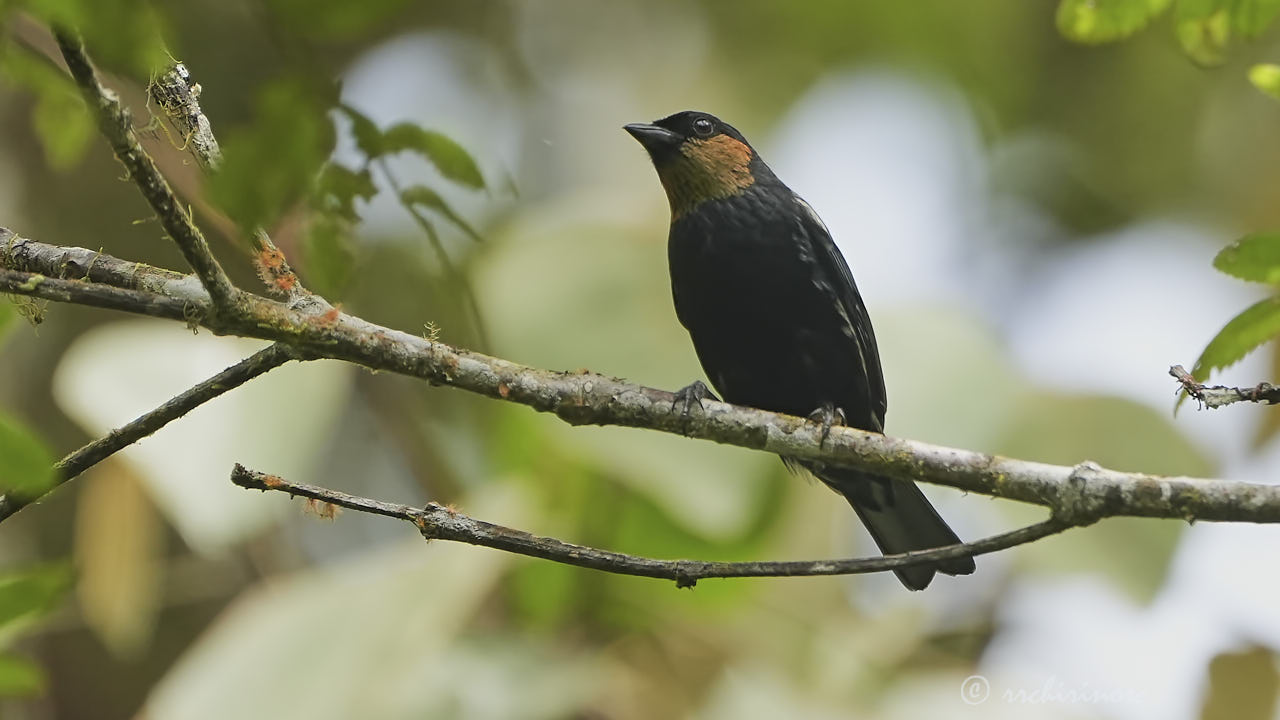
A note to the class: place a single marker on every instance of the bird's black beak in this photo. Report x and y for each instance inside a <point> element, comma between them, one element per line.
<point>657,140</point>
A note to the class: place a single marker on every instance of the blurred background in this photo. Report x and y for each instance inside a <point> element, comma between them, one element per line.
<point>1030,220</point>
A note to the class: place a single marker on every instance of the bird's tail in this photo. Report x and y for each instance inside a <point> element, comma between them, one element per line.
<point>900,519</point>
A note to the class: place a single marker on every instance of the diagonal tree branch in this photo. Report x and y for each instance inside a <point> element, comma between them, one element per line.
<point>95,452</point>
<point>137,302</point>
<point>117,128</point>
<point>1216,396</point>
<point>1082,491</point>
<point>95,267</point>
<point>179,98</point>
<point>437,522</point>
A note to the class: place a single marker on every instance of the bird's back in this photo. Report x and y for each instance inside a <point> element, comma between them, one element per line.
<point>772,309</point>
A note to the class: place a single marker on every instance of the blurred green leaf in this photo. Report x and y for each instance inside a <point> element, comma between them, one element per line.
<point>1251,17</point>
<point>1242,686</point>
<point>19,677</point>
<point>60,119</point>
<point>366,133</point>
<point>338,188</point>
<point>119,552</point>
<point>1099,21</point>
<point>1266,77</point>
<point>450,158</point>
<point>120,34</point>
<point>334,19</point>
<point>32,592</point>
<point>1245,332</point>
<point>272,162</point>
<point>1117,433</point>
<point>641,525</point>
<point>406,637</point>
<point>420,195</point>
<point>1254,257</point>
<point>64,128</point>
<point>547,594</point>
<point>1203,28</point>
<point>7,317</point>
<point>329,260</point>
<point>26,465</point>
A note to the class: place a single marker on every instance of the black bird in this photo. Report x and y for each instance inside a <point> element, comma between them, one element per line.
<point>775,317</point>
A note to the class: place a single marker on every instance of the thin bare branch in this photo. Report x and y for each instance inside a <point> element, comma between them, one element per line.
<point>437,522</point>
<point>1075,494</point>
<point>95,452</point>
<point>1216,396</point>
<point>179,98</point>
<point>75,263</point>
<point>77,292</point>
<point>116,126</point>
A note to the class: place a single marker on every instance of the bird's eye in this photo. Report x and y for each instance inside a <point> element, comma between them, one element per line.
<point>703,127</point>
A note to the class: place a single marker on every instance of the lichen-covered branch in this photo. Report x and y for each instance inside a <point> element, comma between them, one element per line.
<point>93,266</point>
<point>437,522</point>
<point>95,452</point>
<point>101,296</point>
<point>179,98</point>
<point>1075,494</point>
<point>1216,396</point>
<point>116,126</point>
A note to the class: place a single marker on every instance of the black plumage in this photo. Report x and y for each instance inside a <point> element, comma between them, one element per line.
<point>775,316</point>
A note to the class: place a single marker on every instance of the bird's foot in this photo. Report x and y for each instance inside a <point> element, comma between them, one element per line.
<point>827,416</point>
<point>689,395</point>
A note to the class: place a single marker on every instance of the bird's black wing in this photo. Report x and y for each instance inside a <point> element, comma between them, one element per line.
<point>832,274</point>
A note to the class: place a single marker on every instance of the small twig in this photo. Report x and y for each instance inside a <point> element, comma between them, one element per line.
<point>179,98</point>
<point>451,272</point>
<point>1216,396</point>
<point>95,452</point>
<point>436,522</point>
<point>115,125</point>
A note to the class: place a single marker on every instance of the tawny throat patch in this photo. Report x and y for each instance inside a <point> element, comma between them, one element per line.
<point>717,167</point>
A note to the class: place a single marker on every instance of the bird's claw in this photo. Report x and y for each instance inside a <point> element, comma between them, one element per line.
<point>827,416</point>
<point>689,395</point>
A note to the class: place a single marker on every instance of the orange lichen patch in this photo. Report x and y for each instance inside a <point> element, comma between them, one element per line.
<point>272,482</point>
<point>718,167</point>
<point>329,317</point>
<point>274,270</point>
<point>322,509</point>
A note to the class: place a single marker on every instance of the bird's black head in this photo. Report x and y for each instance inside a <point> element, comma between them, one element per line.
<point>698,157</point>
